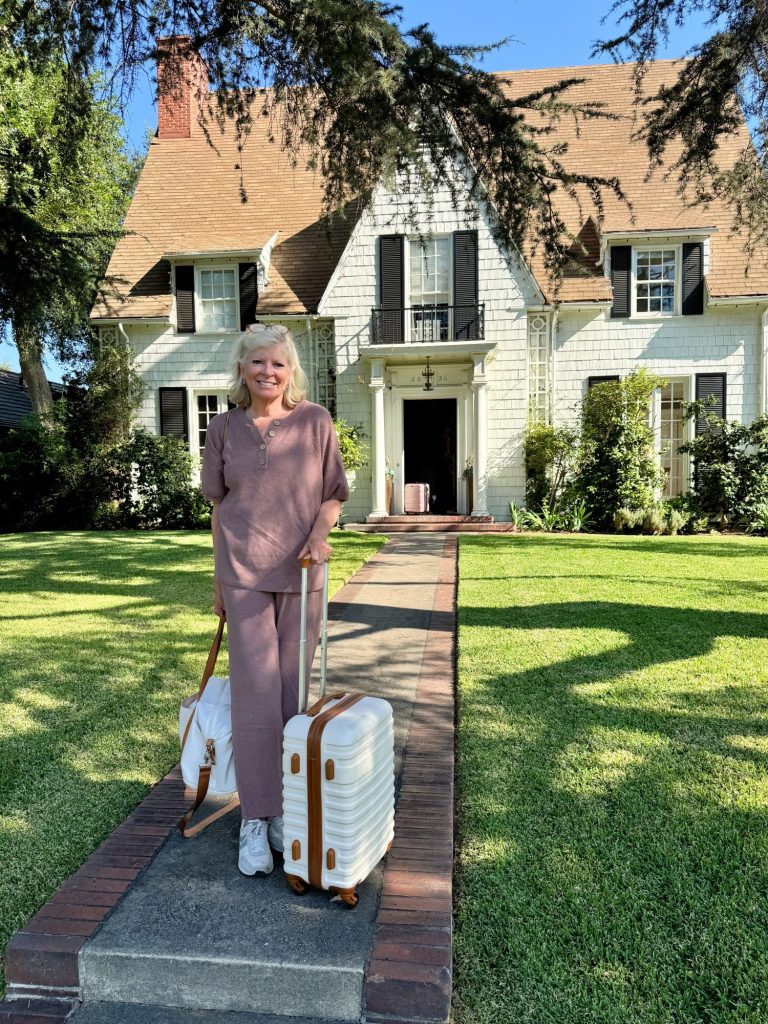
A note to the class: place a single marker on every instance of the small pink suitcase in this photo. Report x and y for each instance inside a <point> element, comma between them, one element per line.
<point>416,498</point>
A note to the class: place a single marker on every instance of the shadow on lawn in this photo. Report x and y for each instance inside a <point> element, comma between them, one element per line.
<point>621,870</point>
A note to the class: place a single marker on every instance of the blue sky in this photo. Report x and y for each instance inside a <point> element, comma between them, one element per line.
<point>547,33</point>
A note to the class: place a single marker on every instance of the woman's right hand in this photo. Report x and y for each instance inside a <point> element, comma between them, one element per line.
<point>218,601</point>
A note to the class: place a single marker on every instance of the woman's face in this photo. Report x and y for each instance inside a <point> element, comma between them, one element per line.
<point>266,372</point>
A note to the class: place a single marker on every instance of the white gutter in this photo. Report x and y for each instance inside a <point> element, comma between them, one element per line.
<point>737,300</point>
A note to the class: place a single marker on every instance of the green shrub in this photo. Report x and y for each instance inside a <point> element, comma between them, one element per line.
<point>627,520</point>
<point>353,448</point>
<point>142,482</point>
<point>618,465</point>
<point>730,463</point>
<point>518,515</point>
<point>758,522</point>
<point>654,522</point>
<point>550,459</point>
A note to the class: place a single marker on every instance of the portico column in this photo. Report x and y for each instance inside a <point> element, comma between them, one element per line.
<point>480,458</point>
<point>379,461</point>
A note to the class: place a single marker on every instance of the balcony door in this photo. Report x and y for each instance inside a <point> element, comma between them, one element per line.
<point>429,449</point>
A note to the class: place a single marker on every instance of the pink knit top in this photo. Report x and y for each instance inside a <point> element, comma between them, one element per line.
<point>271,488</point>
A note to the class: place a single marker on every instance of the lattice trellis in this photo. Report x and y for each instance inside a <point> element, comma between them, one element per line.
<point>539,370</point>
<point>326,367</point>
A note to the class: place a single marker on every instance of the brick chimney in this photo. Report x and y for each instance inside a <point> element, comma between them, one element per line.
<point>182,85</point>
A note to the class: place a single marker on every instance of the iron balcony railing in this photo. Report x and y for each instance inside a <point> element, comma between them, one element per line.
<point>411,324</point>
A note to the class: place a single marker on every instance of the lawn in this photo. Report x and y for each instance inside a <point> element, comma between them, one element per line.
<point>613,794</point>
<point>102,635</point>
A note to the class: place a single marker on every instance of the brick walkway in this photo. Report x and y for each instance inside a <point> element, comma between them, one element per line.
<point>409,973</point>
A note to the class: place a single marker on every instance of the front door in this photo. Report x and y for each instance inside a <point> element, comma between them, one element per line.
<point>429,449</point>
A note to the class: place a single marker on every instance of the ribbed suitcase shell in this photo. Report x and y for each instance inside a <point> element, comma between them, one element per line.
<point>416,498</point>
<point>356,804</point>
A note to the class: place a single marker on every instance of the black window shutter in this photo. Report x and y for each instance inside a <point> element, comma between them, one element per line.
<point>392,288</point>
<point>591,381</point>
<point>173,413</point>
<point>711,384</point>
<point>248,293</point>
<point>465,285</point>
<point>621,279</point>
<point>693,279</point>
<point>185,300</point>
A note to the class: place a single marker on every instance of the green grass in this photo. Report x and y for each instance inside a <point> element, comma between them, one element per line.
<point>102,635</point>
<point>613,746</point>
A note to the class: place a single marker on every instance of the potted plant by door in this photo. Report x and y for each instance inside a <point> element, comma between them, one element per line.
<point>389,480</point>
<point>468,476</point>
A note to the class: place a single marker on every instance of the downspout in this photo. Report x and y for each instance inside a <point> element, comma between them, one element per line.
<point>762,405</point>
<point>126,342</point>
<point>312,360</point>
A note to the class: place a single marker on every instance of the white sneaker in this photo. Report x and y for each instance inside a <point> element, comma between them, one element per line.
<point>255,854</point>
<point>275,834</point>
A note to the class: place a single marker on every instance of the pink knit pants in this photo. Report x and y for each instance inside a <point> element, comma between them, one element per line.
<point>263,640</point>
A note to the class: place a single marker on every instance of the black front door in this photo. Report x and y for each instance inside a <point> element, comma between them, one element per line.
<point>429,436</point>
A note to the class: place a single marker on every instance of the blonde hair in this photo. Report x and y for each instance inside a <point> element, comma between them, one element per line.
<point>265,336</point>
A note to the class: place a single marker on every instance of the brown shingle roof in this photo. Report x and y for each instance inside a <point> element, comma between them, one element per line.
<point>188,199</point>
<point>610,148</point>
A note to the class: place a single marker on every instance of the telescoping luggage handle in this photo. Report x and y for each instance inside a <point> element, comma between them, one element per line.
<point>305,564</point>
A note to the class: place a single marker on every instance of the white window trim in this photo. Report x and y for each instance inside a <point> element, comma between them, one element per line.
<point>656,247</point>
<point>689,380</point>
<point>199,303</point>
<point>409,333</point>
<point>221,402</point>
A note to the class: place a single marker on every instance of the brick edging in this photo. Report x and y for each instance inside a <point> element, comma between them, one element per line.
<point>42,960</point>
<point>409,974</point>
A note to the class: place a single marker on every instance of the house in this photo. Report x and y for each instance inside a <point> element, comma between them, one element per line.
<point>379,308</point>
<point>15,402</point>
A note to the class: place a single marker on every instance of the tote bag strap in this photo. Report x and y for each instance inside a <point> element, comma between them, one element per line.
<point>203,781</point>
<point>210,665</point>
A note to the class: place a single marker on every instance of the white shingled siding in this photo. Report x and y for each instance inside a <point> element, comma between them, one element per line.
<point>198,362</point>
<point>507,290</point>
<point>725,340</point>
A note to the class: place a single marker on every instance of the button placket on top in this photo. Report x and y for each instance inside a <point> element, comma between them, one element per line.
<point>264,443</point>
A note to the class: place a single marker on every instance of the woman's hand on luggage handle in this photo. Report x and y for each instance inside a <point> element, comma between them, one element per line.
<point>317,549</point>
<point>218,601</point>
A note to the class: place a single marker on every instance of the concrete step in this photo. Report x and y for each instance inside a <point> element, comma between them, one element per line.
<point>194,933</point>
<point>428,518</point>
<point>419,524</point>
<point>139,1013</point>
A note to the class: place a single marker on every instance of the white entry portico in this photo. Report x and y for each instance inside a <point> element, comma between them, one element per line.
<point>395,378</point>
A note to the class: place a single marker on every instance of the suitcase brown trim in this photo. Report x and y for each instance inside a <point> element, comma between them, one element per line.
<point>314,787</point>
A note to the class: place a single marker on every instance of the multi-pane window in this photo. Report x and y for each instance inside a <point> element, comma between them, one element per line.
<point>539,370</point>
<point>655,280</point>
<point>430,289</point>
<point>672,433</point>
<point>207,407</point>
<point>218,300</point>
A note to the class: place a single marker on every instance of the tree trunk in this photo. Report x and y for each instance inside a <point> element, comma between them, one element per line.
<point>31,360</point>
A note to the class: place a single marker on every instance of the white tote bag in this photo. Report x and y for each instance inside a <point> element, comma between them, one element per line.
<point>205,733</point>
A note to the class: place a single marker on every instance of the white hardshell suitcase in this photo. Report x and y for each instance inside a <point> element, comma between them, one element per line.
<point>416,498</point>
<point>338,782</point>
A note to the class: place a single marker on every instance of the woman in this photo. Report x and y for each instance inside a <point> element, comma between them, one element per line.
<point>273,471</point>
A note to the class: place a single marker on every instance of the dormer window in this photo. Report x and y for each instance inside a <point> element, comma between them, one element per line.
<point>655,281</point>
<point>218,300</point>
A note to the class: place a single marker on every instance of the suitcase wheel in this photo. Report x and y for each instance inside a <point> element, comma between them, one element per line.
<point>298,885</point>
<point>350,898</point>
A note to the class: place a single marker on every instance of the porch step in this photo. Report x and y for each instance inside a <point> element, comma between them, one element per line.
<point>428,518</point>
<point>422,524</point>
